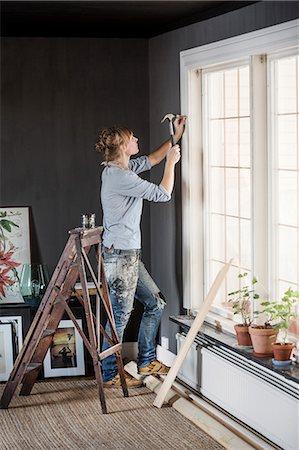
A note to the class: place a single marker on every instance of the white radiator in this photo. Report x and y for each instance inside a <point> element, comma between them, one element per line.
<point>259,397</point>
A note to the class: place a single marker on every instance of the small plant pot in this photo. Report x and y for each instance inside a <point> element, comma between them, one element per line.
<point>243,336</point>
<point>282,352</point>
<point>262,340</point>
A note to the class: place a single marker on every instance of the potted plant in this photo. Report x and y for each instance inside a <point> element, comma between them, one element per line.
<point>282,312</point>
<point>242,301</point>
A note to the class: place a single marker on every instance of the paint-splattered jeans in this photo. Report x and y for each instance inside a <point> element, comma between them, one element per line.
<point>128,279</point>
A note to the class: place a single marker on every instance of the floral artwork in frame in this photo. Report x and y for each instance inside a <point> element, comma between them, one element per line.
<point>14,251</point>
<point>65,357</point>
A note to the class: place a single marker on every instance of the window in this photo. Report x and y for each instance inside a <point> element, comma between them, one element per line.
<point>284,128</point>
<point>240,178</point>
<point>227,169</point>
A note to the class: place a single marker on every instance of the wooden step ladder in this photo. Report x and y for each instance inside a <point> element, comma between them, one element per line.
<point>73,265</point>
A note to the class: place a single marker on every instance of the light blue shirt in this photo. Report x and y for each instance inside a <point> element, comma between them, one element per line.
<point>122,195</point>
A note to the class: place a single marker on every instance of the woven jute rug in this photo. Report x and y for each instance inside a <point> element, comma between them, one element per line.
<point>66,415</point>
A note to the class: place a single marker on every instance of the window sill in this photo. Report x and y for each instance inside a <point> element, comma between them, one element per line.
<point>218,336</point>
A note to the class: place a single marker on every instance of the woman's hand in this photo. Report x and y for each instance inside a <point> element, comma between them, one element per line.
<point>173,154</point>
<point>179,126</point>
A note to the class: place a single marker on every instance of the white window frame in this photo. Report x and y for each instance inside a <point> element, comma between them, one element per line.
<point>260,42</point>
<point>272,139</point>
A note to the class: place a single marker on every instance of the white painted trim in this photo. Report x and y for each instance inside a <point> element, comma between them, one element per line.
<point>271,39</point>
<point>192,194</point>
<point>259,174</point>
<point>268,39</point>
<point>165,356</point>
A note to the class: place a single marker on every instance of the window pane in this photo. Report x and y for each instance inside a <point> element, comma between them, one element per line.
<point>232,192</point>
<point>227,189</point>
<point>286,85</point>
<point>244,98</point>
<point>232,237</point>
<point>288,248</point>
<point>231,93</point>
<point>288,197</point>
<point>244,132</point>
<point>245,193</point>
<point>217,190</point>
<point>285,174</point>
<point>231,142</point>
<point>216,142</point>
<point>216,99</point>
<point>245,242</point>
<point>287,141</point>
<point>218,231</point>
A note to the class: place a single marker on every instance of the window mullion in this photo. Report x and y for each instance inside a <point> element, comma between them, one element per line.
<point>259,170</point>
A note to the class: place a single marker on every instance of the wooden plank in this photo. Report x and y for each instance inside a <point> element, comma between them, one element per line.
<point>110,351</point>
<point>198,321</point>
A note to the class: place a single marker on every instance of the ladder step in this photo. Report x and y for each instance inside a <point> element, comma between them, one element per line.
<point>48,332</point>
<point>33,366</point>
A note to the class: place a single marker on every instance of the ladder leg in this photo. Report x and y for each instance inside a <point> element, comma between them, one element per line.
<point>8,392</point>
<point>29,381</point>
<point>106,300</point>
<point>98,374</point>
<point>90,325</point>
<point>121,372</point>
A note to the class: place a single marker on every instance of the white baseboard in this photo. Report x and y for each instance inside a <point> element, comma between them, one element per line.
<point>165,356</point>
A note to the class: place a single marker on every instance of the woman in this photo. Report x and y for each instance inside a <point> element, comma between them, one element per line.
<point>122,195</point>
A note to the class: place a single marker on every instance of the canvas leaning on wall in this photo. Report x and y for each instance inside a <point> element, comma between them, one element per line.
<point>14,251</point>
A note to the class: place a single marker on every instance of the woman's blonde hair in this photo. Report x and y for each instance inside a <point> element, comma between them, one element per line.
<point>111,139</point>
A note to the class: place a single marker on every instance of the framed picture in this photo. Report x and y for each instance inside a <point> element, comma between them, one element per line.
<point>16,322</point>
<point>14,251</point>
<point>6,350</point>
<point>65,357</point>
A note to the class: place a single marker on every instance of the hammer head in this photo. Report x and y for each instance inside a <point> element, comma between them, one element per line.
<point>169,116</point>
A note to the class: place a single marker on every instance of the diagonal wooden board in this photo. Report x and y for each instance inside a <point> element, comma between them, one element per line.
<point>198,321</point>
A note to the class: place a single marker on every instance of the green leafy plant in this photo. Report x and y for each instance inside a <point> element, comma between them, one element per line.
<point>8,272</point>
<point>242,300</point>
<point>283,311</point>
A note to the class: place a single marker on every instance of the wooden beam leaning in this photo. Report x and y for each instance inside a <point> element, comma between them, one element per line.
<point>198,321</point>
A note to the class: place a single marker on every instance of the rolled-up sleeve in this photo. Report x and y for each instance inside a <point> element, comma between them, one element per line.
<point>131,185</point>
<point>140,164</point>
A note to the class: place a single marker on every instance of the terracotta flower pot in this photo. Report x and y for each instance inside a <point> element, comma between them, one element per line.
<point>243,336</point>
<point>282,352</point>
<point>262,340</point>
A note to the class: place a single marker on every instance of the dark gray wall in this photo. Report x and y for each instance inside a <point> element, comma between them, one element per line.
<point>56,94</point>
<point>164,52</point>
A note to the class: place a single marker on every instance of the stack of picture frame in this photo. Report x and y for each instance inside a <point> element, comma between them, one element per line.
<point>65,358</point>
<point>14,324</point>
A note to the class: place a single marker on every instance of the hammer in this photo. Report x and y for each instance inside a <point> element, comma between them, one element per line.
<point>171,118</point>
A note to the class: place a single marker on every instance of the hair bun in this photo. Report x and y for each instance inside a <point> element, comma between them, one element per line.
<point>110,139</point>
